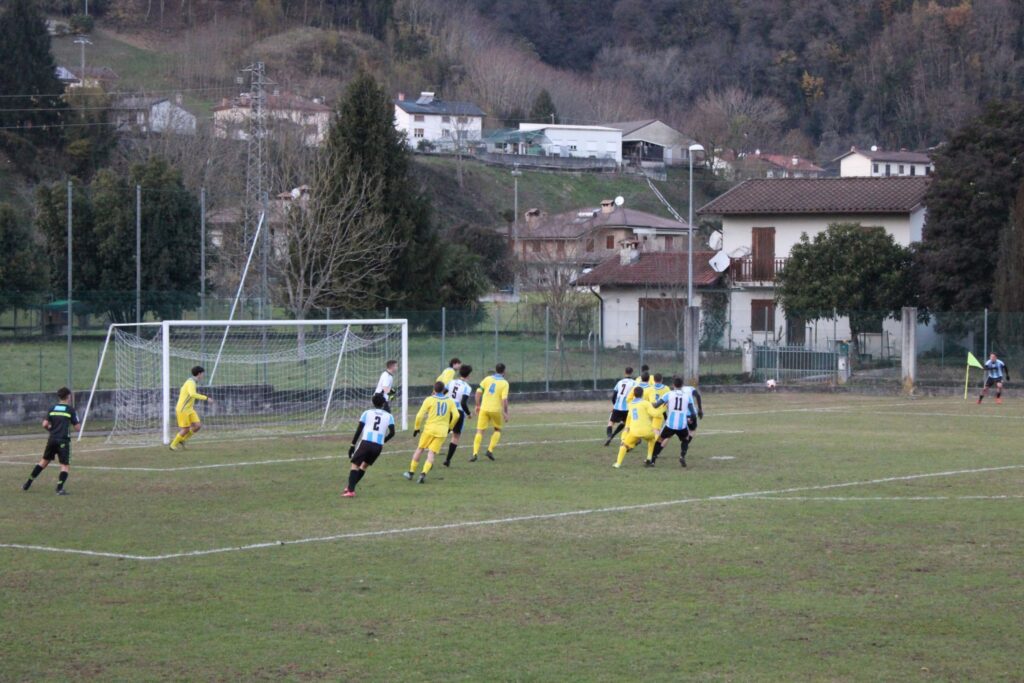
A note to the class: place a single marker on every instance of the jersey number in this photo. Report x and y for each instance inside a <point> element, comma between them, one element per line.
<point>490,389</point>
<point>636,414</point>
<point>679,404</point>
<point>376,424</point>
<point>623,390</point>
<point>442,408</point>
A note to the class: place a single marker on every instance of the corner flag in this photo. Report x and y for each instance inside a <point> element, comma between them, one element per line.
<point>972,362</point>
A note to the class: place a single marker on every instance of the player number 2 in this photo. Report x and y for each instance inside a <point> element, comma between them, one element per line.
<point>376,423</point>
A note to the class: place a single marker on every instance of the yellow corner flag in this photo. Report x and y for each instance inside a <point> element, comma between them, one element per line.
<point>974,362</point>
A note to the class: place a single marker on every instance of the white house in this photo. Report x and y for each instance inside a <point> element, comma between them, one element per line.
<point>567,140</point>
<point>763,218</point>
<point>643,293</point>
<point>431,120</point>
<point>309,118</point>
<point>650,140</point>
<point>877,163</point>
<point>152,115</point>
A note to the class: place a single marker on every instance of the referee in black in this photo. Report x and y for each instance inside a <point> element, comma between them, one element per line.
<point>59,422</point>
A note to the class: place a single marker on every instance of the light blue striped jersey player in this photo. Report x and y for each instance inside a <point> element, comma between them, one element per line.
<point>623,392</point>
<point>996,368</point>
<point>459,389</point>
<point>375,424</point>
<point>680,407</point>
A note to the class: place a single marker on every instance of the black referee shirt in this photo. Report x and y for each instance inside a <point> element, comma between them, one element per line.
<point>61,417</point>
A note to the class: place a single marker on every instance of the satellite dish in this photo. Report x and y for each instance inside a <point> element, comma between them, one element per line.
<point>620,200</point>
<point>715,240</point>
<point>296,193</point>
<point>740,252</point>
<point>719,262</point>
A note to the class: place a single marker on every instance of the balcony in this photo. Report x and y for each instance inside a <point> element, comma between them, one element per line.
<point>749,269</point>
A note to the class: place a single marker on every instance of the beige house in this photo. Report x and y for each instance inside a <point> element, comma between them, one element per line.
<point>763,219</point>
<point>876,163</point>
<point>588,237</point>
<point>308,118</point>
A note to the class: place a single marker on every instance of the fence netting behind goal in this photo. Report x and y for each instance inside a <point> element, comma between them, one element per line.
<point>265,378</point>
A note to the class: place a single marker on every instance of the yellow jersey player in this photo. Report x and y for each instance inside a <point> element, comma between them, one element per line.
<point>436,417</point>
<point>638,427</point>
<point>491,410</point>
<point>654,393</point>
<point>188,419</point>
<point>450,373</point>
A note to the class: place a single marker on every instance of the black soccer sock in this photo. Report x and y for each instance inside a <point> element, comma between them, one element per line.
<point>353,479</point>
<point>686,446</point>
<point>35,471</point>
<point>619,428</point>
<point>61,480</point>
<point>608,431</point>
<point>657,449</point>
<point>451,452</point>
<point>999,393</point>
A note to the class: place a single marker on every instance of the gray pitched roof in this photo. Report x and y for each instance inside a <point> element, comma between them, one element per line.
<point>440,107</point>
<point>765,196</point>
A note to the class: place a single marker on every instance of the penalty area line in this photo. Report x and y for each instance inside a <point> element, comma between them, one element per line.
<point>765,494</point>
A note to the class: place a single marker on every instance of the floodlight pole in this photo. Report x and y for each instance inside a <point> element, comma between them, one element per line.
<point>70,253</point>
<point>138,257</point>
<point>689,230</point>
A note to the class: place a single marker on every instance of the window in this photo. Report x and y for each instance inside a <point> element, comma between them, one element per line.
<point>590,245</point>
<point>901,169</point>
<point>888,169</point>
<point>462,119</point>
<point>534,247</point>
<point>560,248</point>
<point>609,242</point>
<point>417,132</point>
<point>762,315</point>
<point>913,170</point>
<point>572,148</point>
<point>418,118</point>
<point>445,133</point>
<point>668,243</point>
<point>874,168</point>
<point>446,119</point>
<point>927,170</point>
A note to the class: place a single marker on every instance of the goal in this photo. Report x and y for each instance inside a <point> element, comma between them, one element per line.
<point>284,377</point>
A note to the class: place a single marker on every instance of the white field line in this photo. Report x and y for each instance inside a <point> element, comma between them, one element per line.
<point>277,461</point>
<point>855,499</point>
<point>973,416</point>
<point>505,520</point>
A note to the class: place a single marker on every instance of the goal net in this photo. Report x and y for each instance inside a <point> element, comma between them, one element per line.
<point>305,376</point>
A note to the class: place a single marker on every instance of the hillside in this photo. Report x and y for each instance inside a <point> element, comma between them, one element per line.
<point>487,191</point>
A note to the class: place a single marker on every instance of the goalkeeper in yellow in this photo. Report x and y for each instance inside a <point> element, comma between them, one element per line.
<point>185,410</point>
<point>436,417</point>
<point>491,410</point>
<point>639,427</point>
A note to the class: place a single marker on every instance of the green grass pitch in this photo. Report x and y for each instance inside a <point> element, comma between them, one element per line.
<point>813,537</point>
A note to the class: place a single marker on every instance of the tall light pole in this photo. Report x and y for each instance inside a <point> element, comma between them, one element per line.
<point>515,221</point>
<point>695,147</point>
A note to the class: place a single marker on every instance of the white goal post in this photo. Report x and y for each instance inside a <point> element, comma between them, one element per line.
<point>269,376</point>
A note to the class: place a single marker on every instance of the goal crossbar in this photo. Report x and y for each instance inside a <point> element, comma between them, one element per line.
<point>167,409</point>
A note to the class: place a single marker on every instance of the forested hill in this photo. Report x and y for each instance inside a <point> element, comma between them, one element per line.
<point>900,73</point>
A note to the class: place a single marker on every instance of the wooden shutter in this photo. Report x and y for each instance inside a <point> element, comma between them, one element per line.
<point>763,254</point>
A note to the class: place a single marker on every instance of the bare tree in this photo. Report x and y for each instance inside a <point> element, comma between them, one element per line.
<point>736,120</point>
<point>550,271</point>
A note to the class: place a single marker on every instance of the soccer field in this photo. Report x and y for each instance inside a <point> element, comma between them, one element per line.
<point>813,537</point>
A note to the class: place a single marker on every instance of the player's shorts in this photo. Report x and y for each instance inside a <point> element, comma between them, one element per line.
<point>431,442</point>
<point>618,415</point>
<point>630,440</point>
<point>367,453</point>
<point>187,419</point>
<point>457,429</point>
<point>992,381</point>
<point>488,418</point>
<point>669,433</point>
<point>58,449</point>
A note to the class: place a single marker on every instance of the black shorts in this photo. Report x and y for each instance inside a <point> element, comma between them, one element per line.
<point>992,381</point>
<point>58,449</point>
<point>367,453</point>
<point>457,429</point>
<point>667,433</point>
<point>618,415</point>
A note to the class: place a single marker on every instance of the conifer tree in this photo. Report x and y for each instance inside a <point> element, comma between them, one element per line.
<point>543,109</point>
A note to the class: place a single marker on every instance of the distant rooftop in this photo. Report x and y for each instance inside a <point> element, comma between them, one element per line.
<point>901,157</point>
<point>428,103</point>
<point>820,196</point>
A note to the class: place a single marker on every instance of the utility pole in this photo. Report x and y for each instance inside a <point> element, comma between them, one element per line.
<point>70,254</point>
<point>256,185</point>
<point>138,257</point>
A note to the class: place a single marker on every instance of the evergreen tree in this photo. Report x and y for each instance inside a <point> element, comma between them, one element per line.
<point>22,272</point>
<point>543,109</point>
<point>363,136</point>
<point>28,80</point>
<point>977,176</point>
<point>1009,294</point>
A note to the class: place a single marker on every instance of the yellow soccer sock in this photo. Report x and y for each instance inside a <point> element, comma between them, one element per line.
<point>188,435</point>
<point>477,440</point>
<point>650,449</point>
<point>495,438</point>
<point>176,440</point>
<point>427,466</point>
<point>622,454</point>
<point>412,466</point>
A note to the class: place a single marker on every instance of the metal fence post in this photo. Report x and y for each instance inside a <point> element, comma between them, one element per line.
<point>594,342</point>
<point>497,318</point>
<point>547,353</point>
<point>640,336</point>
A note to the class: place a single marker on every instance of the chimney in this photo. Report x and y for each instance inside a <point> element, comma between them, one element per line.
<point>532,218</point>
<point>177,98</point>
<point>401,97</point>
<point>629,252</point>
<point>607,206</point>
<point>796,160</point>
